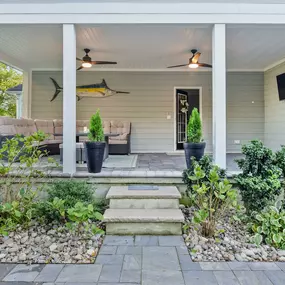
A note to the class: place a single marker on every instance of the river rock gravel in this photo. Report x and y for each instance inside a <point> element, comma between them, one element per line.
<point>54,244</point>
<point>232,243</point>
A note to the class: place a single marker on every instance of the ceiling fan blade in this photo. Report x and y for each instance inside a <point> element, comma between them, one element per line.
<point>79,59</point>
<point>79,68</point>
<point>205,65</point>
<point>195,57</point>
<point>103,62</point>
<point>173,66</point>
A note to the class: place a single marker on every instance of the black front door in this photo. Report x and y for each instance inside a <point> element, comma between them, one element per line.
<point>191,97</point>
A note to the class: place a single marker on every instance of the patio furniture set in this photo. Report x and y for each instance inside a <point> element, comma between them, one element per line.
<point>117,135</point>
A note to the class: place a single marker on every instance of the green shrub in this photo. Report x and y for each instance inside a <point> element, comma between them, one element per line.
<point>259,182</point>
<point>212,197</point>
<point>96,133</point>
<point>280,160</point>
<point>269,226</point>
<point>194,128</point>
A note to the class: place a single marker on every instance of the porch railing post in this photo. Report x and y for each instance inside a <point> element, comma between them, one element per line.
<point>69,99</point>
<point>219,94</point>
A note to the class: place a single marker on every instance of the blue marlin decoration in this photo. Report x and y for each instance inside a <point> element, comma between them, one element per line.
<point>98,90</point>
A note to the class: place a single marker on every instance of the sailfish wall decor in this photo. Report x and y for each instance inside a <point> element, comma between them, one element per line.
<point>98,90</point>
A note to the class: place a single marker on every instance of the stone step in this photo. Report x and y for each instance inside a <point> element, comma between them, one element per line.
<point>143,221</point>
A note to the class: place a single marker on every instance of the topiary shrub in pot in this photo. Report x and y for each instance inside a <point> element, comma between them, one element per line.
<point>96,145</point>
<point>194,146</point>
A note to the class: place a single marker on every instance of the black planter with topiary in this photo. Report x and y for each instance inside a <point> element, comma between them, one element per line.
<point>194,146</point>
<point>96,145</point>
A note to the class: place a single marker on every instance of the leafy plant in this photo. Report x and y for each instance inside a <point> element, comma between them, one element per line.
<point>194,128</point>
<point>96,133</point>
<point>269,226</point>
<point>259,182</point>
<point>212,197</point>
<point>280,160</point>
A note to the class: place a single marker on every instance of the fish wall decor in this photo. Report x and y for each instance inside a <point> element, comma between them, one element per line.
<point>97,90</point>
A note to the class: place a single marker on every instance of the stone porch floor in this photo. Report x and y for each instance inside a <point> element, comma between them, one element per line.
<point>145,260</point>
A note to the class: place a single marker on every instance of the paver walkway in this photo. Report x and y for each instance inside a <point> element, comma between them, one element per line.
<point>145,260</point>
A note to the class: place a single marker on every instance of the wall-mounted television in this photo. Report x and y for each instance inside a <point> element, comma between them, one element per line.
<point>281,86</point>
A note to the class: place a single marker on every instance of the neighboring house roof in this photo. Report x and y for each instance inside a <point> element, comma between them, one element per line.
<point>15,90</point>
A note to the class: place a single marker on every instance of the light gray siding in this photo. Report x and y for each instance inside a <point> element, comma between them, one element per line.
<point>274,109</point>
<point>151,99</point>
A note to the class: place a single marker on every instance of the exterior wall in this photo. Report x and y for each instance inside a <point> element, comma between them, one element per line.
<point>274,130</point>
<point>151,99</point>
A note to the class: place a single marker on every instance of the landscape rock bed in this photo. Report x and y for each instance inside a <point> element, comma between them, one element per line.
<point>54,244</point>
<point>231,244</point>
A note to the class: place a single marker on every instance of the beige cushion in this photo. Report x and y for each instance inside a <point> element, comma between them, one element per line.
<point>58,128</point>
<point>119,127</point>
<point>107,127</point>
<point>111,141</point>
<point>81,124</point>
<point>7,126</point>
<point>121,137</point>
<point>46,126</point>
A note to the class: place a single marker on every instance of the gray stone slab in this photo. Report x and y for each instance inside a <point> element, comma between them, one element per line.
<point>260,266</point>
<point>80,273</point>
<point>186,263</point>
<point>132,262</point>
<point>199,278</point>
<point>162,277</point>
<point>126,249</point>
<point>5,269</point>
<point>171,241</point>
<point>108,249</point>
<point>110,259</point>
<point>252,278</point>
<point>236,265</point>
<point>24,283</point>
<point>182,249</point>
<point>281,265</point>
<point>133,276</point>
<point>214,266</point>
<point>226,278</point>
<point>146,240</point>
<point>110,273</point>
<point>49,273</point>
<point>276,277</point>
<point>119,240</point>
<point>24,272</point>
<point>112,284</point>
<point>160,258</point>
<point>50,283</point>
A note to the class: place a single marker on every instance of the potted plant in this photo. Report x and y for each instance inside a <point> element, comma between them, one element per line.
<point>194,146</point>
<point>96,145</point>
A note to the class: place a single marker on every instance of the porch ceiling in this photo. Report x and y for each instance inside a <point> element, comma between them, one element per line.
<point>249,47</point>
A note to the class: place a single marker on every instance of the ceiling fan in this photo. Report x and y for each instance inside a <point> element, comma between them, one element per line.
<point>87,62</point>
<point>193,61</point>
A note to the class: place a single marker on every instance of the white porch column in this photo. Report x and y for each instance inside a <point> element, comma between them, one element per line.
<point>26,94</point>
<point>69,99</point>
<point>219,94</point>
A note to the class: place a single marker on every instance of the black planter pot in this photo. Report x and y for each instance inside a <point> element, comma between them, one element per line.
<point>94,156</point>
<point>193,149</point>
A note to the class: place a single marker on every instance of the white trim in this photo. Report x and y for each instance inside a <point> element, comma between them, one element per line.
<point>274,64</point>
<point>174,108</point>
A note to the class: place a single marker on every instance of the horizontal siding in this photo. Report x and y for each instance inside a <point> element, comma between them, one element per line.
<point>274,127</point>
<point>151,99</point>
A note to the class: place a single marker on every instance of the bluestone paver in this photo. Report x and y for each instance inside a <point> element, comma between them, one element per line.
<point>263,266</point>
<point>49,273</point>
<point>23,283</point>
<point>199,278</point>
<point>226,278</point>
<point>281,265</point>
<point>252,278</point>
<point>108,249</point>
<point>214,266</point>
<point>133,276</point>
<point>125,249</point>
<point>146,240</point>
<point>276,277</point>
<point>110,259</point>
<point>186,263</point>
<point>236,265</point>
<point>170,241</point>
<point>80,273</point>
<point>119,240</point>
<point>24,272</point>
<point>132,262</point>
<point>110,273</point>
<point>160,258</point>
<point>182,250</point>
<point>5,269</point>
<point>162,277</point>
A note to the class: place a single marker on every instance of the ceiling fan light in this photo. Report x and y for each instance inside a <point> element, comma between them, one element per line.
<point>193,65</point>
<point>86,64</point>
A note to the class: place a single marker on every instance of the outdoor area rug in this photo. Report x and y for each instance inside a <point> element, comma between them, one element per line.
<point>121,161</point>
